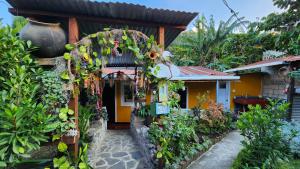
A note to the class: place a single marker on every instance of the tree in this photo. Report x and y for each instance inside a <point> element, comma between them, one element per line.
<point>18,23</point>
<point>203,44</point>
<point>286,24</point>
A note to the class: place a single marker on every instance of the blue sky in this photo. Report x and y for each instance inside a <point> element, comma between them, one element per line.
<point>250,9</point>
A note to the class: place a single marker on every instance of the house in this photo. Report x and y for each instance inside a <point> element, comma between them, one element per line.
<point>268,79</point>
<point>198,81</point>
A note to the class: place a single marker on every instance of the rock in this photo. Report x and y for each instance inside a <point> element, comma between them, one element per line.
<point>100,162</point>
<point>119,165</point>
<point>136,155</point>
<point>130,164</point>
<point>119,154</point>
<point>111,161</point>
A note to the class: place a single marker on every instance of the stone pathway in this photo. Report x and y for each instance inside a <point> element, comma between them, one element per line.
<point>118,150</point>
<point>221,155</point>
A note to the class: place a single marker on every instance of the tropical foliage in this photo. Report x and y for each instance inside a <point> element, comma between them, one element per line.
<point>180,136</point>
<point>202,46</point>
<point>265,145</point>
<point>24,121</point>
<point>227,47</point>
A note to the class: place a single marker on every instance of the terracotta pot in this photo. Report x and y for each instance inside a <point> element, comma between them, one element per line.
<point>70,139</point>
<point>50,38</point>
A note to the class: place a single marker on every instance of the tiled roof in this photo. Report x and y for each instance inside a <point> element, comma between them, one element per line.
<point>199,70</point>
<point>269,62</point>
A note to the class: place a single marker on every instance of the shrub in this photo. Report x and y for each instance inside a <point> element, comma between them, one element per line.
<point>265,145</point>
<point>24,122</point>
<point>84,118</point>
<point>212,120</point>
<point>176,139</point>
<point>293,128</point>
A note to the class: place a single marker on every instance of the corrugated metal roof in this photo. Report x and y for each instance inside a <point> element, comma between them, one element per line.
<point>264,63</point>
<point>187,73</point>
<point>199,70</point>
<point>111,10</point>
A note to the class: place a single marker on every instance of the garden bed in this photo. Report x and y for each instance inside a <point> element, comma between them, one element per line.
<point>185,164</point>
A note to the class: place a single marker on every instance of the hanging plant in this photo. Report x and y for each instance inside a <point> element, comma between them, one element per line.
<point>89,57</point>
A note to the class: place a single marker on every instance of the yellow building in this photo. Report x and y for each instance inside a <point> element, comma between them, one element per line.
<point>118,97</point>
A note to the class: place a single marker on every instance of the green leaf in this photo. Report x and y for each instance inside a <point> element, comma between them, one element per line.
<point>159,155</point>
<point>21,150</point>
<point>82,49</point>
<point>69,47</point>
<point>124,37</point>
<point>64,110</point>
<point>62,147</point>
<point>67,56</point>
<point>2,164</point>
<point>83,165</point>
<point>55,137</point>
<point>28,43</point>
<point>63,116</point>
<point>95,54</point>
<point>65,75</point>
<point>70,112</point>
<point>98,62</point>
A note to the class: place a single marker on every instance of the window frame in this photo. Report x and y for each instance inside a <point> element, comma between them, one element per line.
<point>123,102</point>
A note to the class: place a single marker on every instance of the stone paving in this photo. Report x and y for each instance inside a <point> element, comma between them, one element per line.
<point>117,150</point>
<point>221,155</point>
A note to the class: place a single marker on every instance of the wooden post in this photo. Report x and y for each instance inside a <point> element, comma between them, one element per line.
<point>161,36</point>
<point>73,30</point>
<point>73,104</point>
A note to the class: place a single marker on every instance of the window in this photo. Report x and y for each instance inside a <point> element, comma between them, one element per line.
<point>183,98</point>
<point>126,95</point>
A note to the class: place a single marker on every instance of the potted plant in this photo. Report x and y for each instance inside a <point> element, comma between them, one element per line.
<point>140,96</point>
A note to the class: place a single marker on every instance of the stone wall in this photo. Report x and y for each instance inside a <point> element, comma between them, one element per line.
<point>140,134</point>
<point>273,84</point>
<point>97,131</point>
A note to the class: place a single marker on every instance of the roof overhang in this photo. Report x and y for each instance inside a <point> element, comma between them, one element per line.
<point>95,16</point>
<point>199,78</point>
<point>255,66</point>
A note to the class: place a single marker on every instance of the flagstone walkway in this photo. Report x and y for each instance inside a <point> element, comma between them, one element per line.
<point>118,150</point>
<point>221,155</point>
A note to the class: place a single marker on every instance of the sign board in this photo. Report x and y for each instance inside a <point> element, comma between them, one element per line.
<point>159,109</point>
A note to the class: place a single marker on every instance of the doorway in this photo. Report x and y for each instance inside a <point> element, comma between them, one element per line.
<point>108,100</point>
<point>223,94</point>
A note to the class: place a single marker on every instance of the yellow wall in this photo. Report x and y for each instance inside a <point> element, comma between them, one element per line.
<point>195,88</point>
<point>248,85</point>
<point>123,112</point>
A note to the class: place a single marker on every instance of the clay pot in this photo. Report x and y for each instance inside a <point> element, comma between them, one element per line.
<point>50,38</point>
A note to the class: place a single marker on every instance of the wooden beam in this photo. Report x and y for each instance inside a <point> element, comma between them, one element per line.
<point>33,13</point>
<point>161,36</point>
<point>73,30</point>
<point>73,103</point>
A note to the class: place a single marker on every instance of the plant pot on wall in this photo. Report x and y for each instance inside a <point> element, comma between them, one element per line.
<point>50,38</point>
